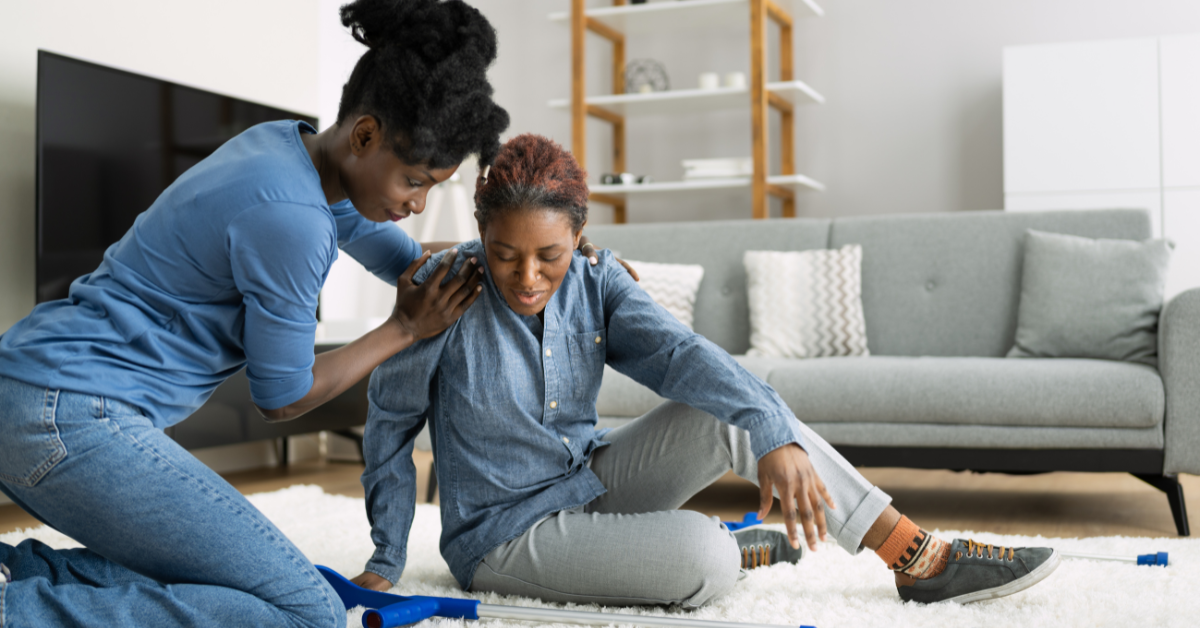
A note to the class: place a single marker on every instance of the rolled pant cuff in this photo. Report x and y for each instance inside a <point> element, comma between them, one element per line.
<point>865,515</point>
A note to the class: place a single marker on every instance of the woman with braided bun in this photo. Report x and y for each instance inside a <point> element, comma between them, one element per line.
<point>222,272</point>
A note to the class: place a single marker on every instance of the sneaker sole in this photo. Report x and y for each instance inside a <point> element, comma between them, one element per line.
<point>1016,586</point>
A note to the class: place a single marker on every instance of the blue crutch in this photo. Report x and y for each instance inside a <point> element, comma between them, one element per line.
<point>391,611</point>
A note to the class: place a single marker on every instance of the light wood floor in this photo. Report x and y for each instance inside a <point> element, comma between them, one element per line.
<point>1052,504</point>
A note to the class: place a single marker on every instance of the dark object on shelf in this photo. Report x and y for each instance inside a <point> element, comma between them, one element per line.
<point>637,1</point>
<point>624,178</point>
<point>108,143</point>
<point>646,75</point>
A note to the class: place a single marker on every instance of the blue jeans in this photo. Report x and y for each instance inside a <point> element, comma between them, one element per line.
<point>167,541</point>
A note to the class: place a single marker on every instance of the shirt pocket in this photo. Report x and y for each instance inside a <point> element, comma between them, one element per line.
<point>587,351</point>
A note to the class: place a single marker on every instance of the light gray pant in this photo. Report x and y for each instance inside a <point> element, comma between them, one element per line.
<point>631,546</point>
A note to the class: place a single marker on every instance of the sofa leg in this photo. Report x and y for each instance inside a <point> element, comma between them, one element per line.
<point>431,488</point>
<point>1170,485</point>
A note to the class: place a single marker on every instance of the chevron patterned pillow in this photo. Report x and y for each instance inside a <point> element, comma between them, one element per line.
<point>806,304</point>
<point>673,286</point>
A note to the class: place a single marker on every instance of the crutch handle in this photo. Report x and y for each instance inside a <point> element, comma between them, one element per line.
<point>1159,559</point>
<point>750,519</point>
<point>399,614</point>
<point>390,610</point>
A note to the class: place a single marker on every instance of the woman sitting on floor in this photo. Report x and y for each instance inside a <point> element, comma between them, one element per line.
<point>536,502</point>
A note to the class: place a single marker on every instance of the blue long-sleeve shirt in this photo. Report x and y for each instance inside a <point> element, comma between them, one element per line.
<point>511,405</point>
<point>222,271</point>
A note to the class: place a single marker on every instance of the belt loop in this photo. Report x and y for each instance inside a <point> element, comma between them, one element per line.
<point>50,404</point>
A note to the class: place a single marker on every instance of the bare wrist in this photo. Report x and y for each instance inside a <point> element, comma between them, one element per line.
<point>398,333</point>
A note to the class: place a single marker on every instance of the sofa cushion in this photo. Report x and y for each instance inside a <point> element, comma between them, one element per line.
<point>806,304</point>
<point>722,314</point>
<point>972,391</point>
<point>673,286</point>
<point>948,284</point>
<point>620,396</point>
<point>1090,298</point>
<point>623,397</point>
<point>1059,393</point>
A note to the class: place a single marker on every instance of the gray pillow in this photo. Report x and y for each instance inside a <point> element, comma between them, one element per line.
<point>1085,298</point>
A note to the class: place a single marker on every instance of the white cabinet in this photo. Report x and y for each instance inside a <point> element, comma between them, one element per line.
<point>1181,111</point>
<point>1109,124</point>
<point>1081,117</point>
<point>1180,67</point>
<point>1181,218</point>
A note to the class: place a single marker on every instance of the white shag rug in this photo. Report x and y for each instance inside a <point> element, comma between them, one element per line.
<point>828,589</point>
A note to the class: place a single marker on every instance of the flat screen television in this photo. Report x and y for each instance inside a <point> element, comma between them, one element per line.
<point>108,143</point>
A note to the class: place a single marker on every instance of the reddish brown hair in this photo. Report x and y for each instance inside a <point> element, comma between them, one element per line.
<point>532,171</point>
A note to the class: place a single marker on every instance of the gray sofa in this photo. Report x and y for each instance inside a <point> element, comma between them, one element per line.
<point>940,294</point>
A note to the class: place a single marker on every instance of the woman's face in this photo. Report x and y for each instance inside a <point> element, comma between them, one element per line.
<point>382,186</point>
<point>528,253</point>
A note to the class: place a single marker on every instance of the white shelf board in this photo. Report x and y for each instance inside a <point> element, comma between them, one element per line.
<point>664,15</point>
<point>800,182</point>
<point>678,101</point>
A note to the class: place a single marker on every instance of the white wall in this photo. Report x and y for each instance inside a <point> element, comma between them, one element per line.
<point>262,51</point>
<point>912,121</point>
<point>913,115</point>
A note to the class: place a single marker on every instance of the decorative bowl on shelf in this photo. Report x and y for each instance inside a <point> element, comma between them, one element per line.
<point>643,76</point>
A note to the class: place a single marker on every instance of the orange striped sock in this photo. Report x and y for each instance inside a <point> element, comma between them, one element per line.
<point>913,551</point>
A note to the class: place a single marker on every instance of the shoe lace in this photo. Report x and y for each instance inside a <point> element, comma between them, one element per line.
<point>754,556</point>
<point>976,549</point>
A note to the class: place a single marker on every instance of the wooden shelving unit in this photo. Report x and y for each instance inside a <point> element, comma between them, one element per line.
<point>615,22</point>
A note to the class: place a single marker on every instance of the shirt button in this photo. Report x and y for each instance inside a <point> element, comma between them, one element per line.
<point>566,440</point>
<point>547,353</point>
<point>553,404</point>
<point>597,339</point>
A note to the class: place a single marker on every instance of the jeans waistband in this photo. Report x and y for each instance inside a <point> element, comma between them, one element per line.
<point>97,405</point>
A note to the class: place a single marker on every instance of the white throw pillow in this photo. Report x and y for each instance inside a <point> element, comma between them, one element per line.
<point>806,304</point>
<point>673,286</point>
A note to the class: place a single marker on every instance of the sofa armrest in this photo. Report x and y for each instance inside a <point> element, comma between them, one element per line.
<point>1179,363</point>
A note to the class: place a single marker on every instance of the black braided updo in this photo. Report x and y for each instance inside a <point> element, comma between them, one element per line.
<point>424,78</point>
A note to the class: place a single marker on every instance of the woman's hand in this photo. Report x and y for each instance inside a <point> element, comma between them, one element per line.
<point>589,251</point>
<point>421,311</point>
<point>368,580</point>
<point>428,309</point>
<point>789,470</point>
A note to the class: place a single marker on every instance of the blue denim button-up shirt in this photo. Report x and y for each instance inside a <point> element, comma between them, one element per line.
<point>511,405</point>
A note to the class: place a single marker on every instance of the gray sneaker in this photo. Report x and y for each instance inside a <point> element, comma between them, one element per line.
<point>763,548</point>
<point>976,572</point>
